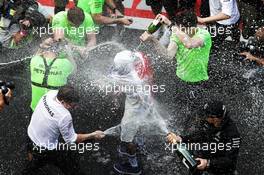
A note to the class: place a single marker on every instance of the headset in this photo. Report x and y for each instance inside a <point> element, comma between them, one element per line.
<point>224,113</point>
<point>4,87</point>
<point>223,109</point>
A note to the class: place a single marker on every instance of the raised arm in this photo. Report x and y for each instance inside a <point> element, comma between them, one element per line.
<point>69,135</point>
<point>169,52</point>
<point>251,57</point>
<point>225,14</point>
<point>94,135</point>
<point>187,40</point>
<point>100,19</point>
<point>219,17</point>
<point>91,40</point>
<point>97,14</point>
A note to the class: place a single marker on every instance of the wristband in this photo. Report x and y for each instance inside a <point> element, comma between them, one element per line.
<point>170,27</point>
<point>208,163</point>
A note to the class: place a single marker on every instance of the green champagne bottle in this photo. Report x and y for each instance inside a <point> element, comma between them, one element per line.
<point>154,26</point>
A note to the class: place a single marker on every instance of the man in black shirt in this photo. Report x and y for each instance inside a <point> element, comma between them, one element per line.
<point>60,5</point>
<point>250,15</point>
<point>219,130</point>
<point>157,5</point>
<point>171,6</point>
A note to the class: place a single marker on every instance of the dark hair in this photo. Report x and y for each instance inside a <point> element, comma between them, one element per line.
<point>68,94</point>
<point>55,47</point>
<point>76,16</point>
<point>186,18</point>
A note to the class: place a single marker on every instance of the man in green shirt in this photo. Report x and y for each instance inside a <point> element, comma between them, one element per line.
<point>95,8</point>
<point>76,26</point>
<point>50,69</point>
<point>191,46</point>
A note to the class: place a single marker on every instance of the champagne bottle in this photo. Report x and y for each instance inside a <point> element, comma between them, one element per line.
<point>154,26</point>
<point>187,158</point>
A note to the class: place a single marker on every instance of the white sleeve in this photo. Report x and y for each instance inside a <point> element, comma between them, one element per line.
<point>67,130</point>
<point>43,10</point>
<point>227,6</point>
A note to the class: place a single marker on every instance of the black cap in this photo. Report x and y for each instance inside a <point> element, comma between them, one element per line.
<point>215,108</point>
<point>4,86</point>
<point>10,85</point>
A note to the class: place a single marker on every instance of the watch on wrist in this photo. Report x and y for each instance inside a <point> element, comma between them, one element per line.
<point>170,27</point>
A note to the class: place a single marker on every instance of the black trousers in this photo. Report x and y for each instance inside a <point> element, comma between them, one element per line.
<point>169,5</point>
<point>59,9</point>
<point>221,32</point>
<point>191,94</point>
<point>66,161</point>
<point>205,8</point>
<point>190,99</point>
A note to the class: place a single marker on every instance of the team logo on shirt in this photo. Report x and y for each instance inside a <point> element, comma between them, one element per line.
<point>47,106</point>
<point>97,4</point>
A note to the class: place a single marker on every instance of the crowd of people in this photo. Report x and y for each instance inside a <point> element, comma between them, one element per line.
<point>181,35</point>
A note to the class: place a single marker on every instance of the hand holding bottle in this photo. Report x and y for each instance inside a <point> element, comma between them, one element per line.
<point>145,36</point>
<point>173,138</point>
<point>98,135</point>
<point>163,19</point>
<point>203,164</point>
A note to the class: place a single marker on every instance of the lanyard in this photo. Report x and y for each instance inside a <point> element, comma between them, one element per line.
<point>47,71</point>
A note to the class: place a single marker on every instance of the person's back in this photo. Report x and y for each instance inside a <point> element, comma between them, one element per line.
<point>49,115</point>
<point>91,6</point>
<point>48,74</point>
<point>230,135</point>
<point>51,119</point>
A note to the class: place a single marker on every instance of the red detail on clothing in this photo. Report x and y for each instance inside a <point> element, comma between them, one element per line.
<point>198,7</point>
<point>133,11</point>
<point>143,68</point>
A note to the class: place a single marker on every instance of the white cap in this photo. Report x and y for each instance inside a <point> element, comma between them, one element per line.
<point>124,58</point>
